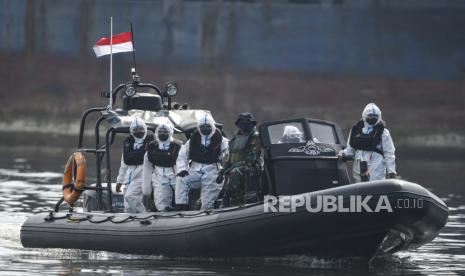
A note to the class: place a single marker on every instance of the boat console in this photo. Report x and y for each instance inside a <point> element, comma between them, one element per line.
<point>307,164</point>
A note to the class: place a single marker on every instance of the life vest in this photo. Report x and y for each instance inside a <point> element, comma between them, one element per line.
<point>133,156</point>
<point>163,158</point>
<point>205,155</point>
<point>367,142</point>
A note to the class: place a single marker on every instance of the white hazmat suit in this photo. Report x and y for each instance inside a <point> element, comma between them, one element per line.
<point>200,175</point>
<point>377,164</point>
<point>161,179</point>
<point>131,175</point>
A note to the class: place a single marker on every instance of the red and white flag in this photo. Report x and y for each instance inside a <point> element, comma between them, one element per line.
<point>121,43</point>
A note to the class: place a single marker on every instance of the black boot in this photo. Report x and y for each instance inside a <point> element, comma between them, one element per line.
<point>182,207</point>
<point>170,209</point>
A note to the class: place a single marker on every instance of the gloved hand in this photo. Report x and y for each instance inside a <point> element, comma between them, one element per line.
<point>183,173</point>
<point>365,176</point>
<point>341,157</point>
<point>220,177</point>
<point>118,187</point>
<point>392,175</point>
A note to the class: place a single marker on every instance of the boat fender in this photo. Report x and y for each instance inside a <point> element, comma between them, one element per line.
<point>74,177</point>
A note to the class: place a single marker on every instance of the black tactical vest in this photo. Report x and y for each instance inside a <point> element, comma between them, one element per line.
<point>236,146</point>
<point>205,155</point>
<point>367,142</point>
<point>163,158</point>
<point>133,156</point>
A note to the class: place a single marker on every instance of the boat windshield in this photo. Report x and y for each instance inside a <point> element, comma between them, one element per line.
<point>296,132</point>
<point>285,133</point>
<point>323,133</point>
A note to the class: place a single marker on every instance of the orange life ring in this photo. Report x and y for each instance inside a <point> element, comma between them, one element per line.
<point>74,177</point>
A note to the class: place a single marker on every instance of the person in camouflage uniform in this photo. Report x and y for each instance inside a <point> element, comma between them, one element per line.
<point>242,169</point>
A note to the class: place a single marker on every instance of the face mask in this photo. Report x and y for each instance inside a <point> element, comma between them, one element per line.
<point>371,120</point>
<point>138,135</point>
<point>163,136</point>
<point>246,127</point>
<point>205,130</point>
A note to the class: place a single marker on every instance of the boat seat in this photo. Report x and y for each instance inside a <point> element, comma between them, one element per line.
<point>143,101</point>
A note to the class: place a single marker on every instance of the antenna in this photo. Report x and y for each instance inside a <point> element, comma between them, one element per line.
<point>110,106</point>
<point>133,49</point>
<point>135,77</point>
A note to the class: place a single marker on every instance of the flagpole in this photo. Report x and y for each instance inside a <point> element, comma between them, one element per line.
<point>133,49</point>
<point>111,62</point>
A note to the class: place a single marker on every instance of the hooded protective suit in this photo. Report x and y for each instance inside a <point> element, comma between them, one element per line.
<point>291,134</point>
<point>377,163</point>
<point>200,175</point>
<point>162,179</point>
<point>131,175</point>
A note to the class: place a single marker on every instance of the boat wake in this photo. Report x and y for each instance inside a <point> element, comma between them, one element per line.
<point>18,174</point>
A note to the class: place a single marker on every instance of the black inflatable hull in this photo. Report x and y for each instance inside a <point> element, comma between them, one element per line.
<point>250,231</point>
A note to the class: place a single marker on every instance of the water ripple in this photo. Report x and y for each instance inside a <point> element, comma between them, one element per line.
<point>25,193</point>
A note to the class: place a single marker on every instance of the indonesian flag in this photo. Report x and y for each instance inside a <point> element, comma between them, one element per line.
<point>121,43</point>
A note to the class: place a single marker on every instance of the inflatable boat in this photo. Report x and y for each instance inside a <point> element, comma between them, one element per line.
<point>304,201</point>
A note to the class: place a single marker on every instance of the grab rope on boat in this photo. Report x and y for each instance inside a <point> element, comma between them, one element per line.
<point>74,217</point>
<point>115,219</point>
